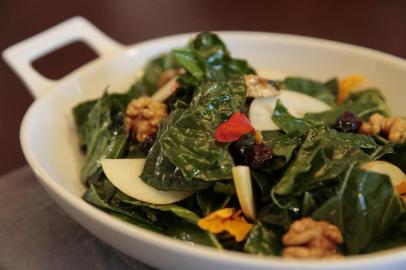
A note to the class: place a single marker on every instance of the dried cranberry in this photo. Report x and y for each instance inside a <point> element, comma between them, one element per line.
<point>348,122</point>
<point>258,155</point>
<point>147,143</point>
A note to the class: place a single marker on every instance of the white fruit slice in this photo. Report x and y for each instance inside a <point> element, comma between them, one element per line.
<point>243,186</point>
<point>395,174</point>
<point>166,90</point>
<point>125,175</point>
<point>261,109</point>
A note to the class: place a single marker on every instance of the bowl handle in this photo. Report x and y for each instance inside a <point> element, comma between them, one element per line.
<point>20,56</point>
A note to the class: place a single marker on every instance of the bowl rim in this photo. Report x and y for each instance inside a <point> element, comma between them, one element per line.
<point>167,243</point>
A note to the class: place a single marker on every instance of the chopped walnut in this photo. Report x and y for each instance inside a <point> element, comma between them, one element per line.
<point>142,117</point>
<point>259,87</point>
<point>393,127</point>
<point>308,238</point>
<point>167,75</point>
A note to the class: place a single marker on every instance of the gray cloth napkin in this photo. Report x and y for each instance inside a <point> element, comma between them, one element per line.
<point>36,234</point>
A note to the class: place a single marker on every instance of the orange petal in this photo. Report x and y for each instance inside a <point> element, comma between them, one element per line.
<point>348,85</point>
<point>239,228</point>
<point>227,219</point>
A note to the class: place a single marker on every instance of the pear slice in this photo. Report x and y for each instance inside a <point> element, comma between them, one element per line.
<point>125,175</point>
<point>396,175</point>
<point>166,90</point>
<point>243,186</point>
<point>297,104</point>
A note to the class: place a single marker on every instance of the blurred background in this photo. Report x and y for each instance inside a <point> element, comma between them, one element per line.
<point>375,24</point>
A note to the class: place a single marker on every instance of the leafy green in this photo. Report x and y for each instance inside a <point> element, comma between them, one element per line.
<point>147,85</point>
<point>209,201</point>
<point>263,240</point>
<point>189,143</point>
<point>363,103</point>
<point>395,237</point>
<point>158,170</point>
<point>93,196</point>
<point>363,209</point>
<point>326,92</point>
<point>397,156</point>
<point>177,210</point>
<point>324,155</point>
<point>192,234</point>
<point>206,57</point>
<point>104,136</point>
<point>287,122</point>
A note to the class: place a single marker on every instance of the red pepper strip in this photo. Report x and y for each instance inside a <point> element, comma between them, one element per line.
<point>232,129</point>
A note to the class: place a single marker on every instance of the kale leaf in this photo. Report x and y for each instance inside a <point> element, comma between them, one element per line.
<point>365,206</point>
<point>189,143</point>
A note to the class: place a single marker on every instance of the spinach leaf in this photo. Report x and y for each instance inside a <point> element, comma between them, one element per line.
<point>191,234</point>
<point>147,85</point>
<point>80,114</point>
<point>398,156</point>
<point>94,196</point>
<point>263,240</point>
<point>326,92</point>
<point>206,57</point>
<point>104,135</point>
<point>289,123</point>
<point>159,171</point>
<point>189,143</point>
<point>324,155</point>
<point>395,237</point>
<point>363,103</point>
<point>177,210</point>
<point>363,209</point>
<point>209,201</point>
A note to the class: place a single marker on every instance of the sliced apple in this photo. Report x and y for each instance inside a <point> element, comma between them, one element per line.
<point>261,109</point>
<point>396,175</point>
<point>166,90</point>
<point>243,186</point>
<point>125,175</point>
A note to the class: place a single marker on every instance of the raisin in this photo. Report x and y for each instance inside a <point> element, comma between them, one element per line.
<point>348,122</point>
<point>147,143</point>
<point>258,155</point>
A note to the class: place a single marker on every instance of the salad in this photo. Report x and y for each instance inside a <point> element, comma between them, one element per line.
<point>203,149</point>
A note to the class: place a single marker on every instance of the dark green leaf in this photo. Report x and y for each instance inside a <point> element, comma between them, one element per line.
<point>363,209</point>
<point>287,122</point>
<point>207,57</point>
<point>173,208</point>
<point>363,103</point>
<point>325,92</point>
<point>160,173</point>
<point>263,240</point>
<point>93,197</point>
<point>324,155</point>
<point>395,237</point>
<point>191,234</point>
<point>104,134</point>
<point>209,201</point>
<point>189,143</point>
<point>147,85</point>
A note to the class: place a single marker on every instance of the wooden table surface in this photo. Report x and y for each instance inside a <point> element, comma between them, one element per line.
<point>376,24</point>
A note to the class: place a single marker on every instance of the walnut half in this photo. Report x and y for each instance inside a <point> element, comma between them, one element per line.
<point>307,238</point>
<point>142,117</point>
<point>259,87</point>
<point>393,127</point>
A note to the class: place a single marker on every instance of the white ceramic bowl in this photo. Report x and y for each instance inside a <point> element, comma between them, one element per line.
<point>50,142</point>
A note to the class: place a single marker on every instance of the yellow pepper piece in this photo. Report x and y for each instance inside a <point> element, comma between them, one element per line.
<point>226,219</point>
<point>348,85</point>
